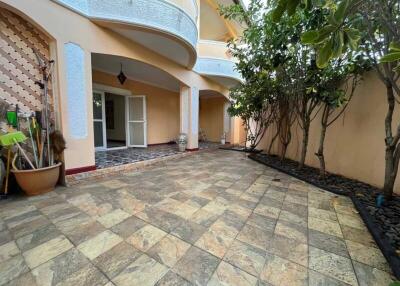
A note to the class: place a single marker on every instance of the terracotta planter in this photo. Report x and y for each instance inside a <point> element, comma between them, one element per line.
<point>39,181</point>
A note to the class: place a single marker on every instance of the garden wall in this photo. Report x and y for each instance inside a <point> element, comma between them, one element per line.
<point>354,143</point>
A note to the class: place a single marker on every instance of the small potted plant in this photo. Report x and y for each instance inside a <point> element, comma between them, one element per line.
<point>182,142</point>
<point>223,138</point>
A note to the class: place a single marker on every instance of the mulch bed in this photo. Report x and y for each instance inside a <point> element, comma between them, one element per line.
<point>383,222</point>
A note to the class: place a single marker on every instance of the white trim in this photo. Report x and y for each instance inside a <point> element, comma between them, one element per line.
<point>102,120</point>
<point>212,42</point>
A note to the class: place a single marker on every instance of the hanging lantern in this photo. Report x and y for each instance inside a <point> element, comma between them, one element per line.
<point>121,77</point>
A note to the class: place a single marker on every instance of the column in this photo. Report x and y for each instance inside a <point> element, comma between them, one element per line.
<point>227,122</point>
<point>189,116</point>
<point>75,84</point>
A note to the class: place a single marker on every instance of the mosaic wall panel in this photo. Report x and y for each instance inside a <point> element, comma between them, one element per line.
<point>19,67</point>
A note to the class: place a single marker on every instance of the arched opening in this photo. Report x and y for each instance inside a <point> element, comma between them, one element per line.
<point>132,113</point>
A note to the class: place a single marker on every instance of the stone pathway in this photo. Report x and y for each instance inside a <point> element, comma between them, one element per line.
<point>214,218</point>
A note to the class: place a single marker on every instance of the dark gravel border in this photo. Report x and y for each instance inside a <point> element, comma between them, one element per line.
<point>241,149</point>
<point>363,205</point>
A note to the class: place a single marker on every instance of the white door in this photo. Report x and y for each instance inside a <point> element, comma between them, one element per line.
<point>136,121</point>
<point>99,126</point>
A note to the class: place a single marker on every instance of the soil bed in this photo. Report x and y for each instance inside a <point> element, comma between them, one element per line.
<point>383,222</point>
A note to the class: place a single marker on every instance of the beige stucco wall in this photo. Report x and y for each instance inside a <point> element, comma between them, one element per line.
<point>212,117</point>
<point>354,143</point>
<point>162,107</point>
<point>64,26</point>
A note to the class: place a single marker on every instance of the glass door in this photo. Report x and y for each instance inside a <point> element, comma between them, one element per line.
<point>99,120</point>
<point>137,128</point>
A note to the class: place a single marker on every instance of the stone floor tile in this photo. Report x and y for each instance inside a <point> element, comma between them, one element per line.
<point>164,220</point>
<point>248,258</point>
<point>322,214</point>
<point>29,227</point>
<point>5,237</point>
<point>86,276</point>
<point>99,244</point>
<point>227,274</point>
<point>144,271</point>
<point>197,201</point>
<point>112,218</point>
<point>292,231</point>
<point>351,221</point>
<point>186,210</point>
<point>318,279</point>
<point>327,242</point>
<point>181,196</point>
<point>332,265</point>
<point>169,205</point>
<point>113,261</point>
<point>26,279</point>
<point>279,271</point>
<point>84,232</point>
<point>38,237</point>
<point>169,250</point>
<point>214,243</point>
<point>69,224</point>
<point>227,227</point>
<point>266,223</point>
<point>299,210</point>
<point>172,279</point>
<point>204,217</point>
<point>146,237</point>
<point>189,231</point>
<point>368,255</point>
<point>59,268</point>
<point>8,251</point>
<point>240,211</point>
<point>296,199</point>
<point>196,266</point>
<point>268,211</point>
<point>369,276</point>
<point>46,251</point>
<point>328,227</point>
<point>293,218</point>
<point>254,236</point>
<point>357,235</point>
<point>289,249</point>
<point>12,268</point>
<point>128,226</point>
<point>113,184</point>
<point>215,207</point>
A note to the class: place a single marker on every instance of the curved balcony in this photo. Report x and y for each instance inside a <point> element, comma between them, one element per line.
<point>215,62</point>
<point>166,27</point>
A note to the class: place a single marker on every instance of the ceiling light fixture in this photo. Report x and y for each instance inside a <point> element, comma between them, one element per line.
<point>121,77</point>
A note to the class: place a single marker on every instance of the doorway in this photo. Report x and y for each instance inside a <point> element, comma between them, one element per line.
<point>119,119</point>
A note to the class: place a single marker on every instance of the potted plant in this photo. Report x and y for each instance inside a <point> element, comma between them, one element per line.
<point>182,142</point>
<point>37,147</point>
<point>223,138</point>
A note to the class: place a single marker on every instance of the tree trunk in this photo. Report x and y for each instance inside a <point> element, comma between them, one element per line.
<point>320,152</point>
<point>390,172</point>
<point>273,141</point>
<point>306,132</point>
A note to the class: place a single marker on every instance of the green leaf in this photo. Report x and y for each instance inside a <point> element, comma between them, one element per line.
<point>309,37</point>
<point>390,57</point>
<point>353,36</point>
<point>279,10</point>
<point>338,44</point>
<point>325,54</point>
<point>292,6</point>
<point>324,33</point>
<point>394,47</point>
<point>341,11</point>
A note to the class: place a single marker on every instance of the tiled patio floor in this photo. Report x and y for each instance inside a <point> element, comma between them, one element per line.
<point>111,158</point>
<point>213,218</point>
